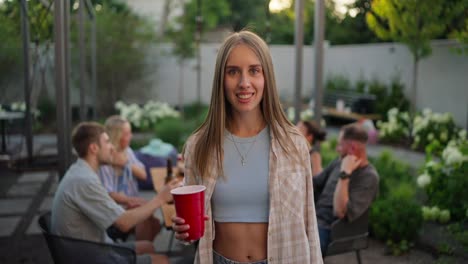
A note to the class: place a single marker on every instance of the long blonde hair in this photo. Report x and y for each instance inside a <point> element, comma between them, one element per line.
<point>210,135</point>
<point>114,126</point>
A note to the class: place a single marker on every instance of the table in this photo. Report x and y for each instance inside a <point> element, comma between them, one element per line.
<point>168,209</point>
<point>7,116</point>
<point>349,115</point>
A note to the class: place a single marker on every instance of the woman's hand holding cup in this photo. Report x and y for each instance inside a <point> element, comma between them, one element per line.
<point>181,229</point>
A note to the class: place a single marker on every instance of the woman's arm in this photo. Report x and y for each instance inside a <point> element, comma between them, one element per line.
<point>127,201</point>
<point>138,172</point>
<point>137,168</point>
<point>316,163</point>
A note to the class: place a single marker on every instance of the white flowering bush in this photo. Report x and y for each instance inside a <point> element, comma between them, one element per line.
<point>307,115</point>
<point>396,128</point>
<point>146,116</point>
<point>445,178</point>
<point>429,127</point>
<point>20,107</point>
<point>426,128</point>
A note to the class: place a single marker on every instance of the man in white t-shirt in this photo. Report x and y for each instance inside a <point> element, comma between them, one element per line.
<point>82,207</point>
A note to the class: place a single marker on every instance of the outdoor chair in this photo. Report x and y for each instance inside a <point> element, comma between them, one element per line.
<point>348,236</point>
<point>149,161</point>
<point>77,251</point>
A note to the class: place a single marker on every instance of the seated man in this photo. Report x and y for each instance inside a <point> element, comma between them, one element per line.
<point>347,187</point>
<point>82,207</point>
<point>120,176</point>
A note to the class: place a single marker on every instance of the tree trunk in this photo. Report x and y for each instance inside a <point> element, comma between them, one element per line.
<point>414,88</point>
<point>165,17</point>
<point>181,87</point>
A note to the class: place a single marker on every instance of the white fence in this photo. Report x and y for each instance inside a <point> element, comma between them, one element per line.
<point>442,82</point>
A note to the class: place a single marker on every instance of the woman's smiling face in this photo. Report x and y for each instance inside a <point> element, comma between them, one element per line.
<point>243,80</point>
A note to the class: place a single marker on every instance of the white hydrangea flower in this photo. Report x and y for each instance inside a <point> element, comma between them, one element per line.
<point>443,136</point>
<point>447,117</point>
<point>119,105</point>
<point>307,114</point>
<point>392,112</point>
<point>462,134</point>
<point>452,155</point>
<point>431,164</point>
<point>438,118</point>
<point>405,116</point>
<point>427,111</point>
<point>291,114</point>
<point>430,137</point>
<point>423,180</point>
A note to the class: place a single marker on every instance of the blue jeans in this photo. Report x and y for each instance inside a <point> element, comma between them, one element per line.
<point>218,259</point>
<point>324,235</point>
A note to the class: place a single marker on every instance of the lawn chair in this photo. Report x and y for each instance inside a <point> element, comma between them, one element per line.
<point>348,236</point>
<point>77,251</point>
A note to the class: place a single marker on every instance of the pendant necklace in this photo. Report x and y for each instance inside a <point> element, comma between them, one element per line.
<point>244,157</point>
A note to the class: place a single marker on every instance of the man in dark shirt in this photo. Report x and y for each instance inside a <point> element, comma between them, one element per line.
<point>347,187</point>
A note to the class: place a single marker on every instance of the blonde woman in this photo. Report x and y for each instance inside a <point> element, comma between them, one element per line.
<point>255,165</point>
<point>120,177</point>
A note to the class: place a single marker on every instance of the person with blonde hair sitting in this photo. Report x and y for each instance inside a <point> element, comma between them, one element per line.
<point>121,175</point>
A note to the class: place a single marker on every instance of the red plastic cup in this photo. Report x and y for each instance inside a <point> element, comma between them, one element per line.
<point>190,205</point>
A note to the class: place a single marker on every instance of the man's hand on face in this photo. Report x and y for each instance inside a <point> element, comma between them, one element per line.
<point>350,163</point>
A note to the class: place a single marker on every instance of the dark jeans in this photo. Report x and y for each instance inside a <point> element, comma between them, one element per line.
<point>324,235</point>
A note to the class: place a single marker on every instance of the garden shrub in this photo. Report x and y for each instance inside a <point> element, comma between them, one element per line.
<point>395,218</point>
<point>445,181</point>
<point>392,173</point>
<point>196,112</point>
<point>145,118</point>
<point>337,82</point>
<point>426,129</point>
<point>429,127</point>
<point>327,151</point>
<point>176,130</point>
<point>388,96</point>
<point>173,131</point>
<point>397,127</point>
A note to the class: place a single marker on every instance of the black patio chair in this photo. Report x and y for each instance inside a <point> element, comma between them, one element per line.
<point>349,236</point>
<point>76,251</point>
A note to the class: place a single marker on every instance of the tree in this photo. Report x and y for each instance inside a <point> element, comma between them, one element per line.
<point>414,23</point>
<point>352,28</point>
<point>182,31</point>
<point>11,52</point>
<point>123,41</point>
<point>461,35</point>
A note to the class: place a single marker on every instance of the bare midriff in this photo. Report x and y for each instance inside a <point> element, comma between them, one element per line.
<point>242,242</point>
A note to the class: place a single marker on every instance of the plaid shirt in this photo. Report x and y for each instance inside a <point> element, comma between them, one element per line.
<point>292,227</point>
